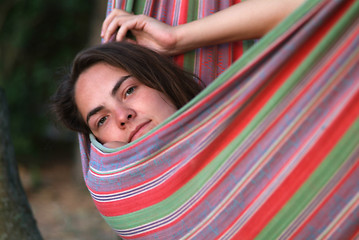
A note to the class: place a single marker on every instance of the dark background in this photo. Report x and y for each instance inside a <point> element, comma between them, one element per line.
<point>38,40</point>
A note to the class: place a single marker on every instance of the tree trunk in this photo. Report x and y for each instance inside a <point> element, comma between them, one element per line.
<point>16,219</point>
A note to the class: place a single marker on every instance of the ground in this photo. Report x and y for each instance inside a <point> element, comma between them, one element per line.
<point>61,204</point>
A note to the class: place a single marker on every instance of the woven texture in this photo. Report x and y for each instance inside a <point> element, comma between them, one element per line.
<point>269,150</point>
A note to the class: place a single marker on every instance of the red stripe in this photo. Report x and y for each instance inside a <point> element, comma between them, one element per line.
<point>183,12</point>
<point>198,59</point>
<point>355,235</point>
<point>179,60</point>
<point>237,49</point>
<point>172,14</point>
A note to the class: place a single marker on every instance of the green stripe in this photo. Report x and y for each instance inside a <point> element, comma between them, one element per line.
<point>129,6</point>
<point>192,15</point>
<point>322,175</point>
<point>192,12</point>
<point>188,61</point>
<point>247,44</point>
<point>137,7</point>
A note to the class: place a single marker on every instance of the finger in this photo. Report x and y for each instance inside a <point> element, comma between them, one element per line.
<point>114,26</point>
<point>114,14</point>
<point>107,21</point>
<point>125,25</point>
<point>131,41</point>
<point>133,24</point>
<point>121,33</point>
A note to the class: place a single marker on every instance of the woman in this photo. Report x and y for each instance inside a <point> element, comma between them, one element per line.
<point>120,91</point>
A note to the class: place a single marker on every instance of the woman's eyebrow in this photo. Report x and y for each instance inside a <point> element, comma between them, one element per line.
<point>118,84</point>
<point>93,112</point>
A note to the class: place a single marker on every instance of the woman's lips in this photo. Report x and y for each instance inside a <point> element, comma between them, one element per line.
<point>139,131</point>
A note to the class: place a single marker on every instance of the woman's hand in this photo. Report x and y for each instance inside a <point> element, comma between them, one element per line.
<point>148,32</point>
<point>246,20</point>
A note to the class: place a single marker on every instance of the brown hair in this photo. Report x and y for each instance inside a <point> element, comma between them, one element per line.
<point>150,68</point>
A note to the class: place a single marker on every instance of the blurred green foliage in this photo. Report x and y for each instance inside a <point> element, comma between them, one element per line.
<point>37,38</point>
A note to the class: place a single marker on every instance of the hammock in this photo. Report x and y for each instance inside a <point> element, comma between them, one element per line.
<point>269,150</point>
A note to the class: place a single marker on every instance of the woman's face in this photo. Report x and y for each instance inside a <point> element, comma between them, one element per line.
<point>118,107</point>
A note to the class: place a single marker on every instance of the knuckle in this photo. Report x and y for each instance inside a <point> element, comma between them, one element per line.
<point>142,16</point>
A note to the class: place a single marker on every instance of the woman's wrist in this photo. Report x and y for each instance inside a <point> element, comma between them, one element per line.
<point>188,37</point>
<point>183,41</point>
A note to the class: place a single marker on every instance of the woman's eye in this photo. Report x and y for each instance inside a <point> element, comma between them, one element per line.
<point>101,121</point>
<point>130,91</point>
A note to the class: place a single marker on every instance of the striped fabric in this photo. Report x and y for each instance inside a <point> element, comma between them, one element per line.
<point>269,150</point>
<point>208,62</point>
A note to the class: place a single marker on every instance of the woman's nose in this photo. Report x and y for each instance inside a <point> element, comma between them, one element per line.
<point>124,116</point>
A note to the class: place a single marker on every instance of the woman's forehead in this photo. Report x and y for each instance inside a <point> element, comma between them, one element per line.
<point>95,84</point>
<point>99,74</point>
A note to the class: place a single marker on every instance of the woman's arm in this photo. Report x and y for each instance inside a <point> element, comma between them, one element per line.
<point>247,20</point>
